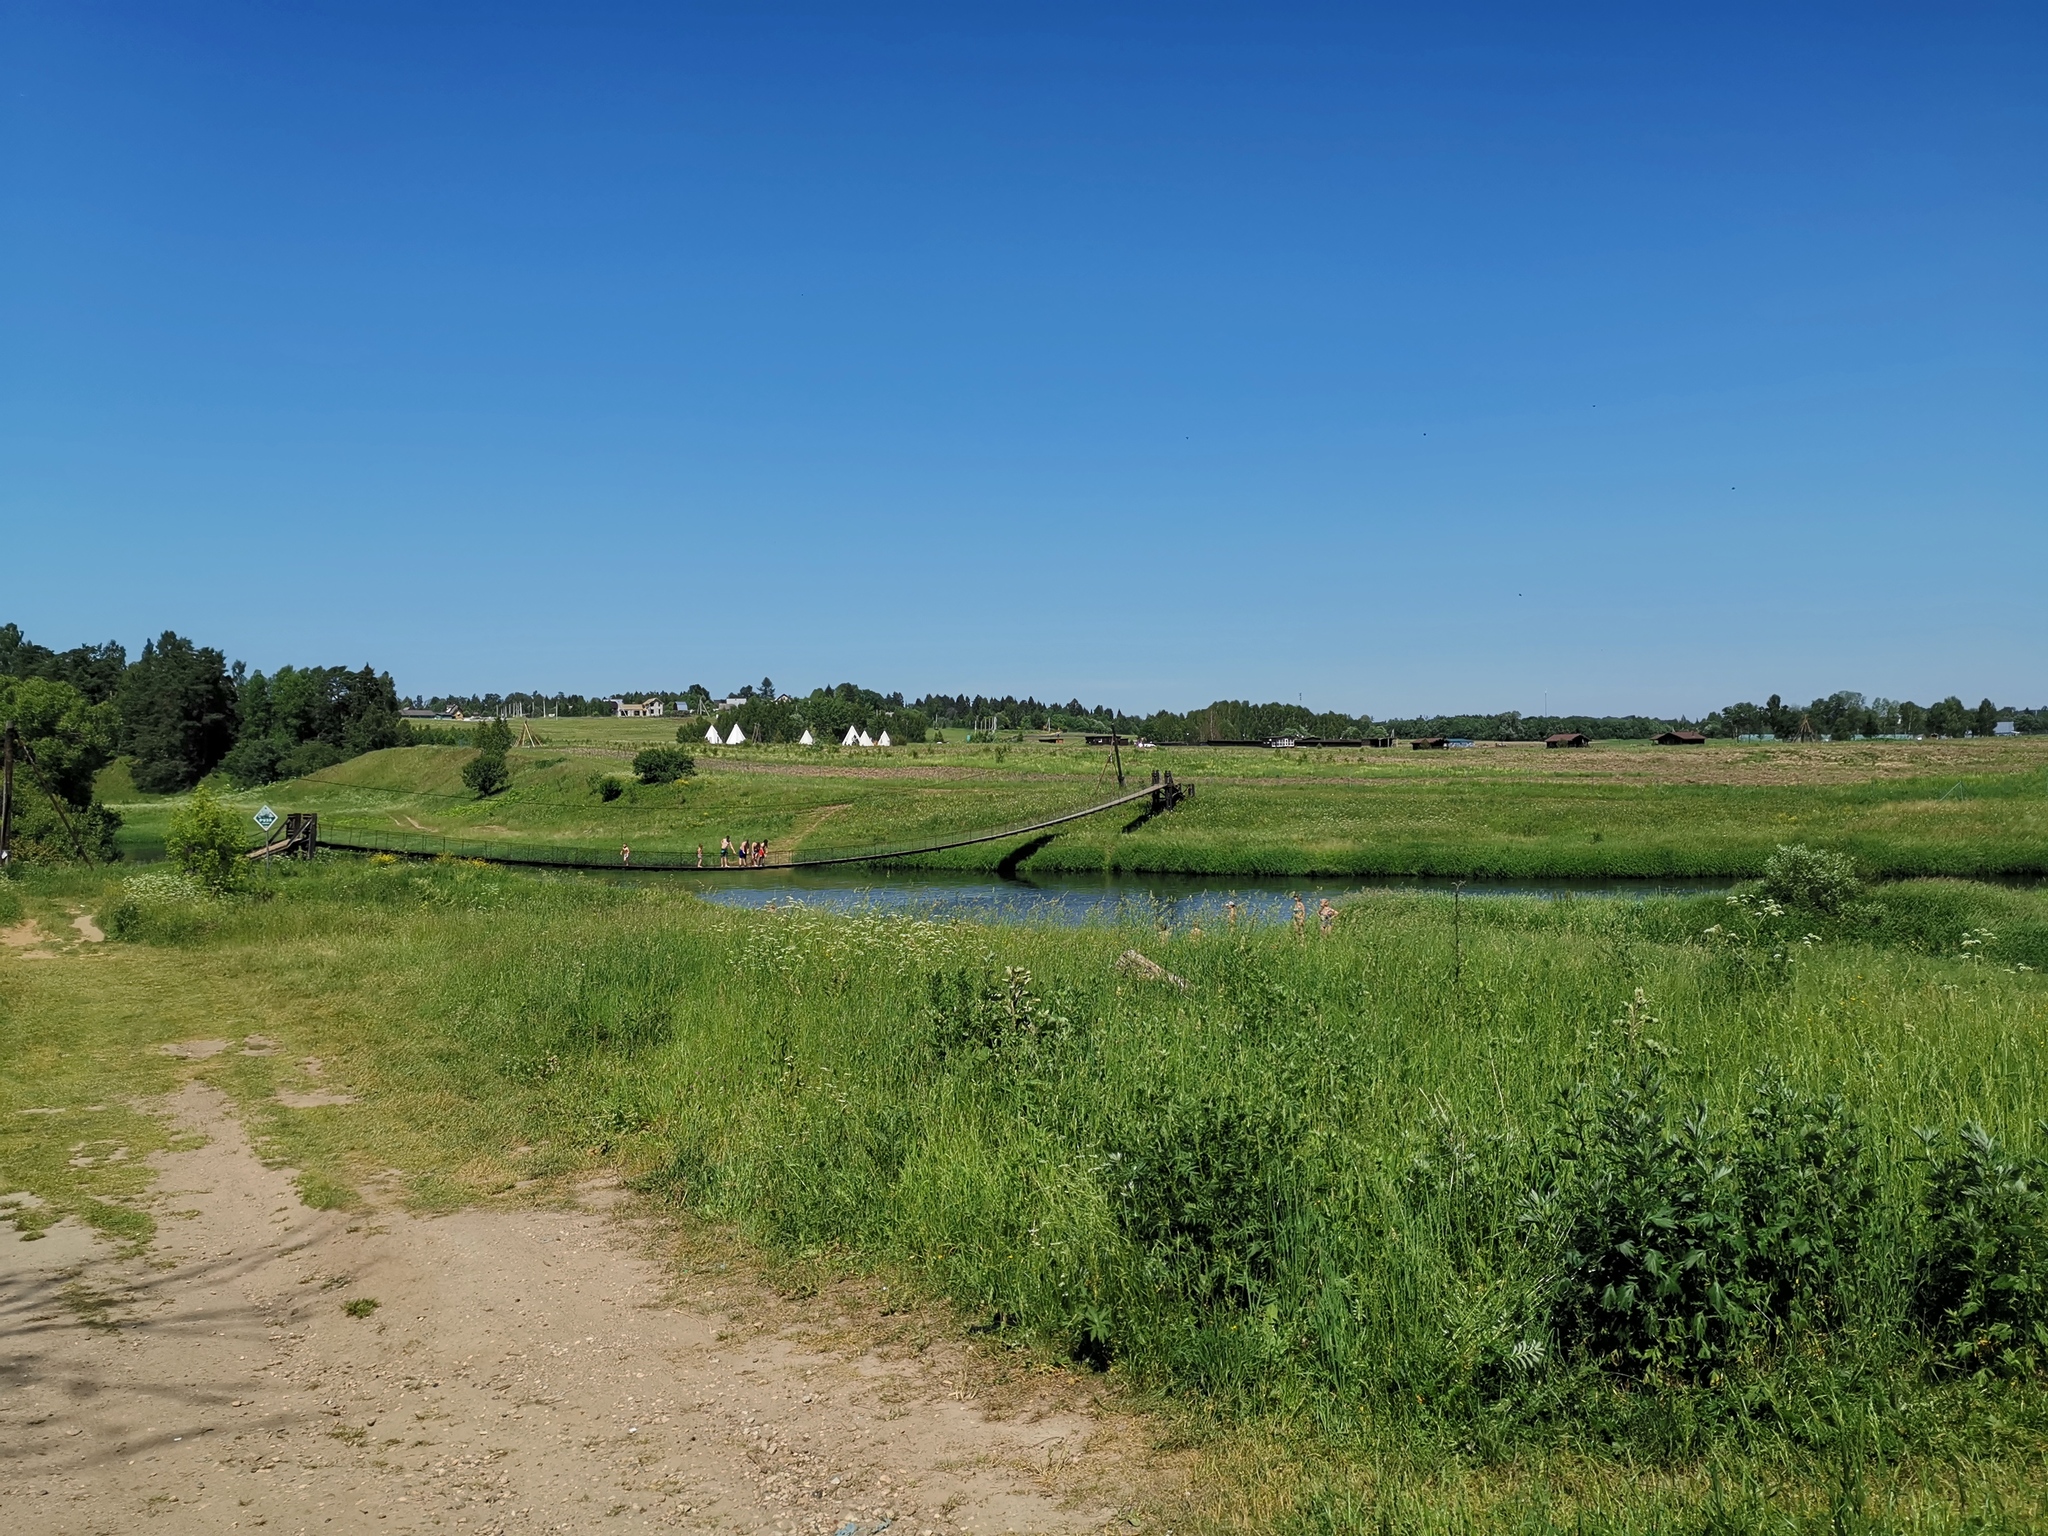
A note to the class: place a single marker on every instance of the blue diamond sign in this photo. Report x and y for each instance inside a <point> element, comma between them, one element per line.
<point>266,818</point>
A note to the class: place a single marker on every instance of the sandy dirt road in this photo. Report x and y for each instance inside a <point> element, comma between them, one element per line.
<point>523,1370</point>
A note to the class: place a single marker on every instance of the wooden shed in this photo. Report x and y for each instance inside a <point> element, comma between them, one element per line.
<point>1425,743</point>
<point>1568,739</point>
<point>1681,739</point>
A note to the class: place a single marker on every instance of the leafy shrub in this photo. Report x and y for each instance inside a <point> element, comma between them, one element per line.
<point>663,765</point>
<point>1680,1246</point>
<point>1647,1225</point>
<point>1808,1191</point>
<point>1811,878</point>
<point>205,841</point>
<point>1983,1282</point>
<point>309,757</point>
<point>487,772</point>
<point>1200,1187</point>
<point>978,1012</point>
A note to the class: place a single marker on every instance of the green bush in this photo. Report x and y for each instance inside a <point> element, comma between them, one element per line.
<point>1983,1285</point>
<point>487,772</point>
<point>663,765</point>
<point>205,840</point>
<point>1811,878</point>
<point>1682,1246</point>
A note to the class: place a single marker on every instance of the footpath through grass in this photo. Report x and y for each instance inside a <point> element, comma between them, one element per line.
<point>1678,1215</point>
<point>1912,808</point>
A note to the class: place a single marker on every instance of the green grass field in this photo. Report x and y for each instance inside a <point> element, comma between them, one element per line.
<point>1324,1201</point>
<point>1958,808</point>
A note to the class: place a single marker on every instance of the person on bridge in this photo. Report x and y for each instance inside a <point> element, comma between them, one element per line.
<point>625,854</point>
<point>724,852</point>
<point>700,855</point>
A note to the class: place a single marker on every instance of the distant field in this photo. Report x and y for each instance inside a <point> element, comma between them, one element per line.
<point>1962,808</point>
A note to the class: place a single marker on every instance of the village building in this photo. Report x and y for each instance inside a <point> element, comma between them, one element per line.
<point>1681,739</point>
<point>644,709</point>
<point>1567,739</point>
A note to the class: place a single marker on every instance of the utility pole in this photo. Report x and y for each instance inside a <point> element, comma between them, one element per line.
<point>6,791</point>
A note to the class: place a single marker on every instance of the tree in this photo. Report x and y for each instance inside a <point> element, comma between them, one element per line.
<point>1948,718</point>
<point>205,840</point>
<point>663,765</point>
<point>94,670</point>
<point>71,740</point>
<point>1986,723</point>
<point>178,713</point>
<point>488,772</point>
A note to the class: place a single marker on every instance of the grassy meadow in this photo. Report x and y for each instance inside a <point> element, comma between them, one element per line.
<point>1573,1215</point>
<point>1630,809</point>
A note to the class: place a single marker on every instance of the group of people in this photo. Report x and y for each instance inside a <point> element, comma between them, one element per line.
<point>733,855</point>
<point>1325,914</point>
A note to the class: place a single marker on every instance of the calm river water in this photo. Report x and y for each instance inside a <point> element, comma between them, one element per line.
<point>1172,899</point>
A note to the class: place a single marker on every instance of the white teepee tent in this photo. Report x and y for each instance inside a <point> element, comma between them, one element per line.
<point>882,740</point>
<point>866,740</point>
<point>852,737</point>
<point>737,735</point>
<point>807,739</point>
<point>711,734</point>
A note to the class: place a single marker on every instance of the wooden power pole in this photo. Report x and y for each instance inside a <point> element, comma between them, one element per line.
<point>6,791</point>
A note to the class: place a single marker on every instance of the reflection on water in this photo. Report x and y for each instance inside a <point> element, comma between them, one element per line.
<point>1175,900</point>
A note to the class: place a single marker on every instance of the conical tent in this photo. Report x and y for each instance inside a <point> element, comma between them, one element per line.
<point>866,740</point>
<point>806,740</point>
<point>852,737</point>
<point>882,740</point>
<point>737,735</point>
<point>711,734</point>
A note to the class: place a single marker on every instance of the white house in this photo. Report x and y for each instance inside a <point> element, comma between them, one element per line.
<point>711,734</point>
<point>807,739</point>
<point>645,709</point>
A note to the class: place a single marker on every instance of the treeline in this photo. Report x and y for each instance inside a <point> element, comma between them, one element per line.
<point>1838,716</point>
<point>827,713</point>
<point>178,712</point>
<point>1841,716</point>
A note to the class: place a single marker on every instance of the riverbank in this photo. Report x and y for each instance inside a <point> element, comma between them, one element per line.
<point>1628,812</point>
<point>1278,1181</point>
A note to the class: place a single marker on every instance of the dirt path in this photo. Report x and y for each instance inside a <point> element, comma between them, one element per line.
<point>522,1371</point>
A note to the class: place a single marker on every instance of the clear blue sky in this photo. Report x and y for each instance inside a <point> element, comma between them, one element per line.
<point>1400,358</point>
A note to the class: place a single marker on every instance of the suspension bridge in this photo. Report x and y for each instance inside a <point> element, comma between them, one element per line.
<point>302,835</point>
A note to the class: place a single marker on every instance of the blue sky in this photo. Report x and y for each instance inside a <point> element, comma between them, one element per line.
<point>1399,358</point>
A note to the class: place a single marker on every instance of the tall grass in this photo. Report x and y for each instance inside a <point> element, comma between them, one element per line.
<point>1685,1184</point>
